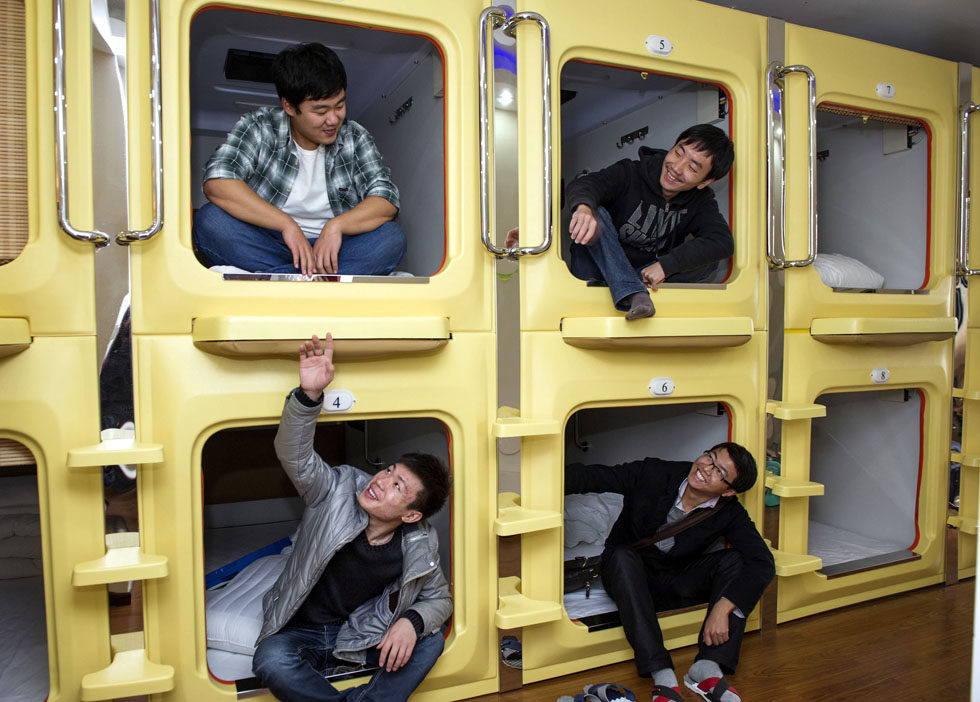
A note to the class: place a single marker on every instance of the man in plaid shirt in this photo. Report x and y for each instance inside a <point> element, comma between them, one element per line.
<point>300,189</point>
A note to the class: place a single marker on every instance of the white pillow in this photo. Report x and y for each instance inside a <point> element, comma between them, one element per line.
<point>590,516</point>
<point>840,271</point>
<point>234,612</point>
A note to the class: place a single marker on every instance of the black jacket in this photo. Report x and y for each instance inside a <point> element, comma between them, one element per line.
<point>649,488</point>
<point>651,229</point>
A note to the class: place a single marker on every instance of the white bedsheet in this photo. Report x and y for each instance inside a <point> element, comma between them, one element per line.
<point>577,605</point>
<point>835,545</point>
<point>227,666</point>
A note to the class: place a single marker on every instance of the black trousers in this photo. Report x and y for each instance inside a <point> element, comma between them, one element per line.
<point>641,587</point>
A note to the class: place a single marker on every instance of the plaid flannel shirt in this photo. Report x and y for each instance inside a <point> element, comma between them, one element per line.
<point>260,151</point>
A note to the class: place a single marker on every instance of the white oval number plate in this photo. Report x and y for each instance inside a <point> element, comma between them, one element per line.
<point>338,400</point>
<point>660,387</point>
<point>659,46</point>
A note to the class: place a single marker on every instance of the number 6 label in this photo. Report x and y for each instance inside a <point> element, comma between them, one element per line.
<point>660,387</point>
<point>338,400</point>
<point>659,46</point>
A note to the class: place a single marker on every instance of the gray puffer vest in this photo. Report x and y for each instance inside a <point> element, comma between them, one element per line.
<point>332,519</point>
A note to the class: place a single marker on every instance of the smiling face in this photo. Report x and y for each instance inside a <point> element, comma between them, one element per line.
<point>710,480</point>
<point>387,497</point>
<point>316,122</point>
<point>684,168</point>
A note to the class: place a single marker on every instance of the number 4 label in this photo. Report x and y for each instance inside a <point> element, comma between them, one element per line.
<point>659,46</point>
<point>338,400</point>
<point>659,387</point>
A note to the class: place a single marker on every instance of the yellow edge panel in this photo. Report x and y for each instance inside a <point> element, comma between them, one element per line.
<point>237,327</point>
<point>51,282</point>
<point>884,325</point>
<point>565,379</point>
<point>170,288</point>
<point>812,369</point>
<point>49,404</point>
<point>847,70</point>
<point>184,396</point>
<point>711,44</point>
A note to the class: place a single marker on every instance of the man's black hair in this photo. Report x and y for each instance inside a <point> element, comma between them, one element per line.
<point>435,479</point>
<point>308,72</point>
<point>714,142</point>
<point>744,465</point>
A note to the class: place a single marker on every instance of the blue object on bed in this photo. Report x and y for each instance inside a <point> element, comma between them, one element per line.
<point>227,572</point>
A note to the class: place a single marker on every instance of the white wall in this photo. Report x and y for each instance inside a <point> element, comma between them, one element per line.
<point>872,206</point>
<point>866,454</point>
<point>413,148</point>
<point>676,432</point>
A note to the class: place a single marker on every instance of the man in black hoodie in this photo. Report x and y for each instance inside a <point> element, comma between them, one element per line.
<point>631,221</point>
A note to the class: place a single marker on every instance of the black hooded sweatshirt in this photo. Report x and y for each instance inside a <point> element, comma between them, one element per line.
<point>651,228</point>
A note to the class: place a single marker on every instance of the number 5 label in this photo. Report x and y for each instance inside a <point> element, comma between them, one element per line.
<point>659,46</point>
<point>338,400</point>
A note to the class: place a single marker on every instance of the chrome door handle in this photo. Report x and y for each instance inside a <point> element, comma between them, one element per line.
<point>776,160</point>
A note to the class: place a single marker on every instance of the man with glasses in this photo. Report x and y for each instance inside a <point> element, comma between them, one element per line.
<point>645,570</point>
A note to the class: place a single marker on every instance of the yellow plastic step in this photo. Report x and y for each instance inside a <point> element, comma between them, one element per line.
<point>515,610</point>
<point>511,424</point>
<point>15,335</point>
<point>788,564</point>
<point>792,488</point>
<point>513,519</point>
<point>118,447</point>
<point>124,560</point>
<point>965,459</point>
<point>964,524</point>
<point>130,674</point>
<point>790,411</point>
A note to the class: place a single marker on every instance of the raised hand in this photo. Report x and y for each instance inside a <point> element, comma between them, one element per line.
<point>316,365</point>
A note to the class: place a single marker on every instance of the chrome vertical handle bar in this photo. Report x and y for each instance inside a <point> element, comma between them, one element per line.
<point>963,202</point>
<point>776,160</point>
<point>128,237</point>
<point>498,19</point>
<point>60,108</point>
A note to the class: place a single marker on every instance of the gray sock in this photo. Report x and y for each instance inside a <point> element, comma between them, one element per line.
<point>665,677</point>
<point>704,669</point>
<point>640,306</point>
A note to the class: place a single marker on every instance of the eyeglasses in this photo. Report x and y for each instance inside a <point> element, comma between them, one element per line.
<point>719,471</point>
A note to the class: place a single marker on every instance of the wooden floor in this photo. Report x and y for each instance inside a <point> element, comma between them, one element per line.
<point>914,646</point>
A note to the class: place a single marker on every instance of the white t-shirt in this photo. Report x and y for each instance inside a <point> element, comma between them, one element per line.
<point>308,203</point>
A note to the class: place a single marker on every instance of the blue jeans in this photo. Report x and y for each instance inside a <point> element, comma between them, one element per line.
<point>292,663</point>
<point>223,240</point>
<point>607,262</point>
